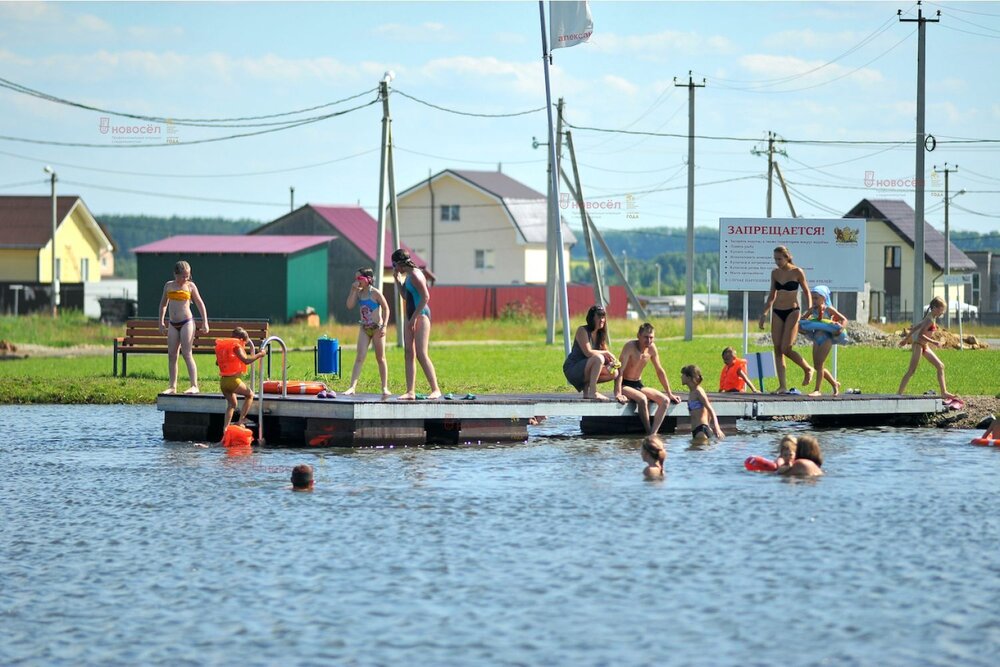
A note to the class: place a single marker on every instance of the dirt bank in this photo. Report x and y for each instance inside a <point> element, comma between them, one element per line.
<point>976,407</point>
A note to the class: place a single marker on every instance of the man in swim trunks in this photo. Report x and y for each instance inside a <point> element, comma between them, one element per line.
<point>628,385</point>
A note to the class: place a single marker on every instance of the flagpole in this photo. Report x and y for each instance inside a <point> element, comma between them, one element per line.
<point>554,186</point>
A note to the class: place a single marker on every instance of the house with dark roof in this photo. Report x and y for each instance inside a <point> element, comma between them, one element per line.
<point>26,242</point>
<point>352,247</point>
<point>478,228</point>
<point>238,276</point>
<point>890,257</point>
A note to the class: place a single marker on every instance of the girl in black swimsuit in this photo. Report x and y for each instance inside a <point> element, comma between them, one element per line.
<point>783,302</point>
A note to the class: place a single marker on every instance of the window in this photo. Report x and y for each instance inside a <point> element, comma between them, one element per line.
<point>84,269</point>
<point>893,256</point>
<point>976,291</point>
<point>484,259</point>
<point>449,213</point>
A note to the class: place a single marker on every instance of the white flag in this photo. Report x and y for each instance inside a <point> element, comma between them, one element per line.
<point>569,23</point>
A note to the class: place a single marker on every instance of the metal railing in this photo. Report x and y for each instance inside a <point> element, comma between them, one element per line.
<point>260,391</point>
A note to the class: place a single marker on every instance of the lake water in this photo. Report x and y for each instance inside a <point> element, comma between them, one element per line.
<point>117,547</point>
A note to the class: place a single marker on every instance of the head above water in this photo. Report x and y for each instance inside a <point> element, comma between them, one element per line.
<point>807,447</point>
<point>302,477</point>
<point>653,451</point>
<point>787,447</point>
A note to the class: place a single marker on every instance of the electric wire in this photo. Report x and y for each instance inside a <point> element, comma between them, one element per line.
<point>165,195</point>
<point>189,175</point>
<point>397,91</point>
<point>199,122</point>
<point>291,125</point>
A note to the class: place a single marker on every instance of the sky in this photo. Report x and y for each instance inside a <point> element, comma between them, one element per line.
<point>836,81</point>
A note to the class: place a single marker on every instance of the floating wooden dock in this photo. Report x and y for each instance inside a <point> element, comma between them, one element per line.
<point>366,420</point>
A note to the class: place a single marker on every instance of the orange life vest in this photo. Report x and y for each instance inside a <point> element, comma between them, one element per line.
<point>730,379</point>
<point>225,356</point>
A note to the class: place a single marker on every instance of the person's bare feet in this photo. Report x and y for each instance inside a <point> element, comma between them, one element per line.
<point>385,392</point>
<point>191,390</point>
<point>809,376</point>
<point>815,393</point>
<point>836,388</point>
<point>408,396</point>
<point>348,392</point>
<point>596,397</point>
<point>433,395</point>
<point>780,390</point>
<point>169,390</point>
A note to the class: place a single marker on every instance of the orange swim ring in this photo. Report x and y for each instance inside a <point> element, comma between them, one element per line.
<point>274,387</point>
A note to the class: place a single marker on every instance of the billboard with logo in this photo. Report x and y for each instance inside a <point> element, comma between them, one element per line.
<point>830,251</point>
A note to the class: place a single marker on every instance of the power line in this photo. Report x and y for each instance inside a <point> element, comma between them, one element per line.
<point>198,122</point>
<point>396,147</point>
<point>173,196</point>
<point>290,125</point>
<point>397,91</point>
<point>189,175</point>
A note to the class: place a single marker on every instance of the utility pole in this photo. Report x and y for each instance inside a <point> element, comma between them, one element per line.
<point>387,173</point>
<point>55,221</point>
<point>689,301</point>
<point>918,208</point>
<point>625,263</point>
<point>772,168</point>
<point>947,244</point>
<point>291,198</point>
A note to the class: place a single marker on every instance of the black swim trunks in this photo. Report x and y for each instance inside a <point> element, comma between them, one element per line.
<point>635,384</point>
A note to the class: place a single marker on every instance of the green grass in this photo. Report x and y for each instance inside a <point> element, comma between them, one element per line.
<point>506,367</point>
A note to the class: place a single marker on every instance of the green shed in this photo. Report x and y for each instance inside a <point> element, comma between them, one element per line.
<point>240,277</point>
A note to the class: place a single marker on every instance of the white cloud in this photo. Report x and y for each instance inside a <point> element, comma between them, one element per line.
<point>775,67</point>
<point>520,77</point>
<point>619,84</point>
<point>809,38</point>
<point>661,43</point>
<point>423,32</point>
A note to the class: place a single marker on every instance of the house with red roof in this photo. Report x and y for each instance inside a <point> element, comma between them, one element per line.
<point>82,248</point>
<point>479,228</point>
<point>270,277</point>
<point>352,246</point>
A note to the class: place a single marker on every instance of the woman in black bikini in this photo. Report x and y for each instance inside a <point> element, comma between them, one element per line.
<point>783,302</point>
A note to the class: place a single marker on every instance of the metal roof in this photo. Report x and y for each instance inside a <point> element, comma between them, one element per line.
<point>898,215</point>
<point>354,224</point>
<point>26,221</point>
<point>231,244</point>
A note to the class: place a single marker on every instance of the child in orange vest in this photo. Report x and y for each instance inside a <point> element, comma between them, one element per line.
<point>232,360</point>
<point>734,374</point>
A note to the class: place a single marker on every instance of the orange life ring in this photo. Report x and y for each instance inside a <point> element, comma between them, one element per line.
<point>274,387</point>
<point>986,442</point>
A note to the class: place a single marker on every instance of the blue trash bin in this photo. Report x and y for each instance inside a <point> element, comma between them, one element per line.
<point>328,355</point>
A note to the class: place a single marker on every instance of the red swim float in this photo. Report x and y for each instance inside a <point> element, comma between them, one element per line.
<point>986,442</point>
<point>760,464</point>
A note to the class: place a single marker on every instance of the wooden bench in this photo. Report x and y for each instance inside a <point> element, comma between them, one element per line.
<point>142,336</point>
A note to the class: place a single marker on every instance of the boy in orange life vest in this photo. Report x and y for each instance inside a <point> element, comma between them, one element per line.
<point>233,360</point>
<point>734,374</point>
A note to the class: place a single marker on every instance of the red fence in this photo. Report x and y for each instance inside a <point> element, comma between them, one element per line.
<point>456,302</point>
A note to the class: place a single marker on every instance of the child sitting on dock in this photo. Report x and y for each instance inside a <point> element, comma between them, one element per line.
<point>628,382</point>
<point>374,318</point>
<point>734,376</point>
<point>807,459</point>
<point>302,477</point>
<point>704,421</point>
<point>653,455</point>
<point>232,360</point>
